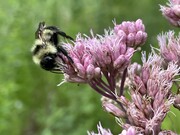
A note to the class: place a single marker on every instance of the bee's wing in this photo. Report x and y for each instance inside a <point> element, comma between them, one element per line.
<point>65,53</point>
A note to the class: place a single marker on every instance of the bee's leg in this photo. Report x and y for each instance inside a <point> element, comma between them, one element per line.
<point>62,50</point>
<point>64,35</point>
<point>56,30</point>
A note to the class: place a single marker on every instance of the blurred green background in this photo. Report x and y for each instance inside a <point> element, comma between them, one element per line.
<point>30,101</point>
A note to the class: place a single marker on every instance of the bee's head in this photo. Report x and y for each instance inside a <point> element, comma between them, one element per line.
<point>49,33</point>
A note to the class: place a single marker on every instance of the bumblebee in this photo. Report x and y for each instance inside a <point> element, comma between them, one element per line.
<point>46,51</point>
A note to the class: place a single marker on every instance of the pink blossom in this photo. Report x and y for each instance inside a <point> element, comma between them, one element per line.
<point>172,12</point>
<point>150,99</point>
<point>101,131</point>
<point>129,131</point>
<point>112,107</point>
<point>170,46</point>
<point>97,56</point>
<point>131,33</point>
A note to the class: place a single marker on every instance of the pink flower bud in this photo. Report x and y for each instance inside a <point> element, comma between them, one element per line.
<point>75,60</point>
<point>87,61</point>
<point>122,48</point>
<point>140,37</point>
<point>129,53</point>
<point>130,39</point>
<point>130,131</point>
<point>138,101</point>
<point>101,131</point>
<point>111,108</point>
<point>97,72</point>
<point>158,100</point>
<point>90,71</point>
<point>140,85</point>
<point>145,74</point>
<point>136,115</point>
<point>81,69</point>
<point>119,61</point>
<point>132,28</point>
<point>170,46</point>
<point>123,100</point>
<point>139,25</point>
<point>176,9</point>
<point>122,35</point>
<point>175,2</point>
<point>152,87</point>
<point>134,33</point>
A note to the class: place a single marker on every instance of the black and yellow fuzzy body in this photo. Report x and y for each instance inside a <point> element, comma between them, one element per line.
<point>44,54</point>
<point>46,49</point>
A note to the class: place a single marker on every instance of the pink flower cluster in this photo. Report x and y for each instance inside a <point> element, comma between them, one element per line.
<point>172,12</point>
<point>102,131</point>
<point>151,96</point>
<point>108,55</point>
<point>104,62</point>
<point>170,46</point>
<point>99,54</point>
<point>132,33</point>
